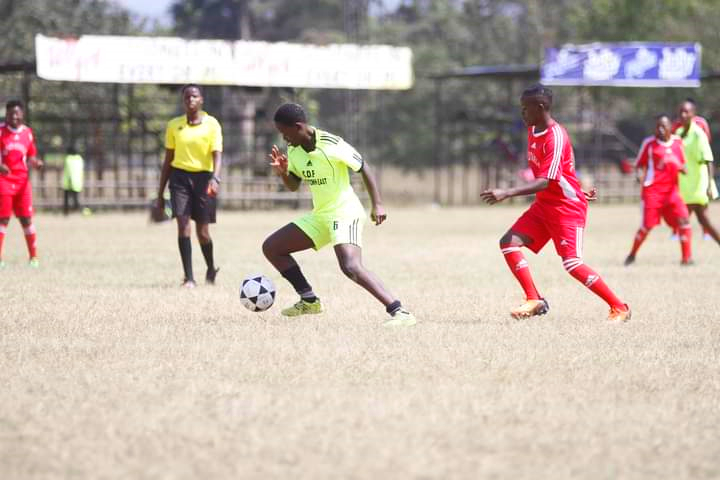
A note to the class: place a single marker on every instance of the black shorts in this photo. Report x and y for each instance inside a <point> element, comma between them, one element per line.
<point>189,197</point>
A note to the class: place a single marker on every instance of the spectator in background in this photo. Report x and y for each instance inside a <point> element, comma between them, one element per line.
<point>193,160</point>
<point>696,186</point>
<point>73,178</point>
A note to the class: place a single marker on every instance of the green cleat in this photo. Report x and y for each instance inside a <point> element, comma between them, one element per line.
<point>34,262</point>
<point>303,308</point>
<point>401,318</point>
<point>2,265</point>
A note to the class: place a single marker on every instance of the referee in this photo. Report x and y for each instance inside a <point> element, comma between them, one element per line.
<point>193,160</point>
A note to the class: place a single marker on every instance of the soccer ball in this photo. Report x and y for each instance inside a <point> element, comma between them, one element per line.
<point>257,293</point>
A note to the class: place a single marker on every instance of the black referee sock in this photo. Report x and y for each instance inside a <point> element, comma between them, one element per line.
<point>186,256</point>
<point>299,283</point>
<point>207,251</point>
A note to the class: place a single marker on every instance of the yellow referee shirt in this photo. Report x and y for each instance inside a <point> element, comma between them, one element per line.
<point>194,144</point>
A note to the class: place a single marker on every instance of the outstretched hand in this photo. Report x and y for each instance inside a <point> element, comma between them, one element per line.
<point>591,196</point>
<point>278,161</point>
<point>494,196</point>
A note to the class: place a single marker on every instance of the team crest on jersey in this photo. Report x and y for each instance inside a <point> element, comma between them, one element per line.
<point>309,163</point>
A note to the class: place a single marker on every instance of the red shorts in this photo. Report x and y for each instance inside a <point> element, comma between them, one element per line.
<point>15,198</point>
<point>566,233</point>
<point>669,206</point>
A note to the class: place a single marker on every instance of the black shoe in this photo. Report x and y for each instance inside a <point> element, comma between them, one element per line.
<point>210,275</point>
<point>629,260</point>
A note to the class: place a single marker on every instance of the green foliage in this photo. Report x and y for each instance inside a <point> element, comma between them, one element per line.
<point>444,35</point>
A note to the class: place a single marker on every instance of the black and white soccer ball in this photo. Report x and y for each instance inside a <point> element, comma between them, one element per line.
<point>257,293</point>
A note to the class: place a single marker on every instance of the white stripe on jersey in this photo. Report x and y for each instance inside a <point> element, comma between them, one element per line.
<point>557,151</point>
<point>567,189</point>
<point>642,147</point>
<point>650,172</point>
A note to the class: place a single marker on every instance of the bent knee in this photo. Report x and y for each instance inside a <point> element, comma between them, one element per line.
<point>510,240</point>
<point>571,263</point>
<point>351,269</point>
<point>268,247</point>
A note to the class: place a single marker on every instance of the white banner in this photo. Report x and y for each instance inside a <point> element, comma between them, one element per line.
<point>115,59</point>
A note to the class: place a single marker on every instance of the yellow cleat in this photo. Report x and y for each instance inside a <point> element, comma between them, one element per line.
<point>303,308</point>
<point>402,318</point>
<point>617,315</point>
<point>530,308</point>
<point>34,262</point>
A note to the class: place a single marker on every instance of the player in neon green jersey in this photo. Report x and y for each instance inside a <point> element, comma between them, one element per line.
<point>322,160</point>
<point>696,187</point>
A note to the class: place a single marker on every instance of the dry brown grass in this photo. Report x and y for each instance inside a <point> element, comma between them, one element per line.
<point>109,370</point>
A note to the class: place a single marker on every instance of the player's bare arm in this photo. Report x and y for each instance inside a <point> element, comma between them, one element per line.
<point>497,195</point>
<point>214,184</point>
<point>377,214</point>
<point>640,174</point>
<point>164,176</point>
<point>711,175</point>
<point>35,162</point>
<point>279,163</point>
<point>4,170</point>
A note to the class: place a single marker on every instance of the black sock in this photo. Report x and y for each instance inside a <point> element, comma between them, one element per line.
<point>299,283</point>
<point>207,251</point>
<point>186,256</point>
<point>393,307</point>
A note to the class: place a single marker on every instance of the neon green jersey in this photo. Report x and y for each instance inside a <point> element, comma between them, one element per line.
<point>325,170</point>
<point>73,174</point>
<point>694,184</point>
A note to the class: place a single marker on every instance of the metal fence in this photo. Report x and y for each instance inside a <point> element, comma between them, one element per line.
<point>119,130</point>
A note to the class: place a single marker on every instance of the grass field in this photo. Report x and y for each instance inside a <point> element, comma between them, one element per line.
<point>110,370</point>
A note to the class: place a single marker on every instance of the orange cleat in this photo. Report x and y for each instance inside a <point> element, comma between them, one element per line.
<point>530,308</point>
<point>617,315</point>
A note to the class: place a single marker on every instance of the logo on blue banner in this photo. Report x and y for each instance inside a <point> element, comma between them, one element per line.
<point>634,64</point>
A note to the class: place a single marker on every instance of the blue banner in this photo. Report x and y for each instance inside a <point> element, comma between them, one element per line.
<point>636,64</point>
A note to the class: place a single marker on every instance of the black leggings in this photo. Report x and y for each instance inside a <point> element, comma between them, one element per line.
<point>69,194</point>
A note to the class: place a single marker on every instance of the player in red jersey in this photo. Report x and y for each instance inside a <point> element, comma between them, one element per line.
<point>558,213</point>
<point>17,146</point>
<point>659,161</point>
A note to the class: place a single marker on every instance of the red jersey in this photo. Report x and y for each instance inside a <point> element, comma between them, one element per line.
<point>550,155</point>
<point>16,145</point>
<point>662,161</point>
<point>702,123</point>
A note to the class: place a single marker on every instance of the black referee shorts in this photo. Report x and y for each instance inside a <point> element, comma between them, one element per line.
<point>189,197</point>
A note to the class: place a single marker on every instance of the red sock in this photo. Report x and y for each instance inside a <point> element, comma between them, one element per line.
<point>30,240</point>
<point>686,242</point>
<point>640,237</point>
<point>3,229</point>
<point>519,267</point>
<point>592,280</point>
